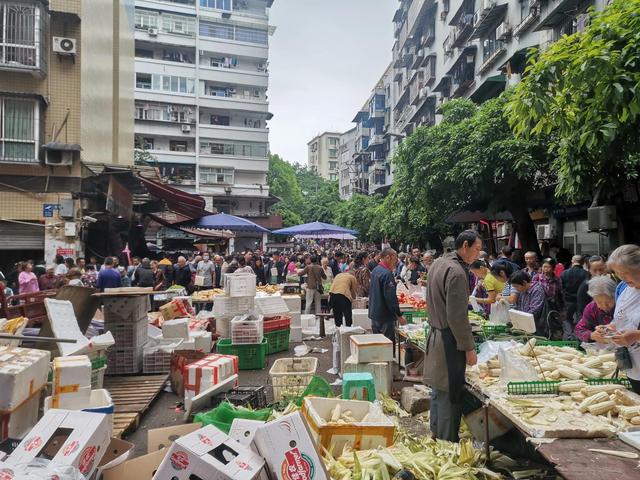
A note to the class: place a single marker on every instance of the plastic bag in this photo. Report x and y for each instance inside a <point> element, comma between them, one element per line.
<point>318,387</point>
<point>514,368</point>
<point>499,313</point>
<point>224,414</point>
<point>40,469</point>
<point>490,349</point>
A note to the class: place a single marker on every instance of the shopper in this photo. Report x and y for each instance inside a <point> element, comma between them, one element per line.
<point>343,291</point>
<point>158,276</point>
<point>450,346</point>
<point>529,297</point>
<point>572,278</point>
<point>49,280</point>
<point>596,267</point>
<point>108,277</point>
<point>90,277</point>
<point>204,272</point>
<point>314,290</point>
<point>27,279</point>
<point>412,272</point>
<point>143,277</point>
<point>494,280</point>
<point>531,263</point>
<point>625,262</point>
<point>599,311</point>
<point>276,269</point>
<point>259,270</point>
<point>384,310</point>
<point>182,273</point>
<point>360,270</point>
<point>61,268</point>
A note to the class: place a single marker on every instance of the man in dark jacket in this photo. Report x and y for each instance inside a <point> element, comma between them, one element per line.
<point>506,259</point>
<point>182,273</point>
<point>334,263</point>
<point>277,263</point>
<point>143,276</point>
<point>572,278</point>
<point>384,309</point>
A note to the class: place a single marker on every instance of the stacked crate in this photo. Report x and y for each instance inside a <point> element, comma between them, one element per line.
<point>126,319</point>
<point>238,299</point>
<point>294,304</point>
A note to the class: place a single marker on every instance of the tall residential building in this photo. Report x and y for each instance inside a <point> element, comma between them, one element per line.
<point>201,105</point>
<point>66,98</point>
<point>346,164</point>
<point>469,48</point>
<point>324,155</point>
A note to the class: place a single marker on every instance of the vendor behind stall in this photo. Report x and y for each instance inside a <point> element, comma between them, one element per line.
<point>450,345</point>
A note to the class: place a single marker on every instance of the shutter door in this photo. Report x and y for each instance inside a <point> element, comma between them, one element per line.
<point>19,236</point>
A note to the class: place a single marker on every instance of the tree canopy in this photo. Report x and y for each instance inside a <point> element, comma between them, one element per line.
<point>361,213</point>
<point>582,93</point>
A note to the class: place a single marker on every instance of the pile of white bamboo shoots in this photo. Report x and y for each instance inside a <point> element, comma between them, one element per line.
<point>610,400</point>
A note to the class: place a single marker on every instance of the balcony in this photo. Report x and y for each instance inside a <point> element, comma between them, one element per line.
<point>237,133</point>
<point>487,16</point>
<point>234,76</point>
<point>493,49</point>
<point>463,30</point>
<point>528,21</point>
<point>167,156</point>
<point>557,12</point>
<point>463,73</point>
<point>247,103</point>
<point>22,38</point>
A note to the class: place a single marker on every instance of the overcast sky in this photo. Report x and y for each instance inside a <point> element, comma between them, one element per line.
<point>324,59</point>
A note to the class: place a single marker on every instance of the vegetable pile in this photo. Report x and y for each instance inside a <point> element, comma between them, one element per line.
<point>406,299</point>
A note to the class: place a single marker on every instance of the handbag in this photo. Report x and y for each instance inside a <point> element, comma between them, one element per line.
<point>623,358</point>
<point>320,289</point>
<point>199,281</point>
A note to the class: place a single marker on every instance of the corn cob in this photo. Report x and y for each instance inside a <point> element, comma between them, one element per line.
<point>570,373</point>
<point>635,420</point>
<point>494,372</point>
<point>601,408</point>
<point>587,372</point>
<point>493,364</point>
<point>555,375</point>
<point>628,412</point>
<point>623,398</point>
<point>592,400</point>
<point>572,386</point>
<point>607,388</point>
<point>577,396</point>
<point>593,363</point>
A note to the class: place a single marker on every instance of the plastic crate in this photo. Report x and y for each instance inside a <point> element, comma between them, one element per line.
<point>558,343</point>
<point>125,309</point>
<point>291,376</point>
<point>124,360</point>
<point>246,331</point>
<point>250,357</point>
<point>129,335</point>
<point>277,341</point>
<point>156,355</point>
<point>492,329</point>
<point>415,316</point>
<point>608,381</point>
<point>533,388</point>
<point>253,397</point>
<point>97,378</point>
<point>277,323</point>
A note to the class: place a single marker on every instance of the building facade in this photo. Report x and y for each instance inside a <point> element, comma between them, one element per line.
<point>66,97</point>
<point>201,106</point>
<point>324,155</point>
<point>346,164</point>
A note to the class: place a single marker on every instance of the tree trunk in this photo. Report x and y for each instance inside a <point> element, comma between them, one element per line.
<point>524,227</point>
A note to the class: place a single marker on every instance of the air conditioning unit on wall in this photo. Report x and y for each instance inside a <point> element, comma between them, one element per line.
<point>543,232</point>
<point>64,45</point>
<point>602,218</point>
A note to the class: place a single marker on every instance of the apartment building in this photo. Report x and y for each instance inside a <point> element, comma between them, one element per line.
<point>366,150</point>
<point>66,98</point>
<point>469,48</point>
<point>201,105</point>
<point>324,154</point>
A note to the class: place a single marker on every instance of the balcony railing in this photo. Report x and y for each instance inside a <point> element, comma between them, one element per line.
<point>462,76</point>
<point>528,21</point>
<point>23,27</point>
<point>463,30</point>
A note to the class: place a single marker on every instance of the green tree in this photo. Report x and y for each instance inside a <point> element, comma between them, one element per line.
<point>282,180</point>
<point>583,93</point>
<point>360,213</point>
<point>141,155</point>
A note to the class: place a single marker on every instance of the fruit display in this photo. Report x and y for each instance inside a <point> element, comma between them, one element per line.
<point>415,302</point>
<point>270,289</point>
<point>207,295</point>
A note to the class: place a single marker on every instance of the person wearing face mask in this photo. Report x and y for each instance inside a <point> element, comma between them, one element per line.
<point>205,270</point>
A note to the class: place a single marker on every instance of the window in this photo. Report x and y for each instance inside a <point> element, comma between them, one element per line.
<point>219,4</point>
<point>333,176</point>
<point>233,32</point>
<point>490,46</point>
<point>217,91</point>
<point>164,112</point>
<point>333,141</point>
<point>217,30</point>
<point>379,176</point>
<point>178,24</point>
<point>167,83</point>
<point>177,145</point>
<point>220,120</point>
<point>210,175</point>
<point>177,173</point>
<point>148,143</point>
<point>237,149</point>
<point>145,19</point>
<point>333,153</point>
<point>19,130</point>
<point>143,53</point>
<point>333,165</point>
<point>143,80</point>
<point>251,35</point>
<point>224,62</point>
<point>20,31</point>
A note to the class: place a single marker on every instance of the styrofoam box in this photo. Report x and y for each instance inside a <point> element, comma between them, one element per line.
<point>381,371</point>
<point>296,319</point>
<point>223,327</point>
<point>361,319</point>
<point>294,303</point>
<point>270,306</point>
<point>295,335</point>
<point>23,371</point>
<point>376,432</point>
<point>178,328</point>
<point>370,348</point>
<point>240,285</point>
<point>345,334</point>
<point>18,423</point>
<point>229,307</point>
<point>308,320</point>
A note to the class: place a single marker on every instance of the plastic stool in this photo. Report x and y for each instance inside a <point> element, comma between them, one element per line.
<point>358,386</point>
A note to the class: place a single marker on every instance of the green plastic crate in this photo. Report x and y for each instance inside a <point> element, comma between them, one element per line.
<point>277,341</point>
<point>558,343</point>
<point>415,316</point>
<point>250,357</point>
<point>533,388</point>
<point>491,329</point>
<point>607,381</point>
<point>98,362</point>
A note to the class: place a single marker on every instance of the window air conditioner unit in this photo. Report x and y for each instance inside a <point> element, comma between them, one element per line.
<point>64,45</point>
<point>602,218</point>
<point>186,128</point>
<point>58,158</point>
<point>228,189</point>
<point>153,32</point>
<point>503,230</point>
<point>231,90</point>
<point>503,31</point>
<point>543,232</point>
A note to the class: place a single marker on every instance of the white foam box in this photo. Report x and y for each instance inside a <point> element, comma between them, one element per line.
<point>23,371</point>
<point>296,320</point>
<point>17,423</point>
<point>295,335</point>
<point>68,438</point>
<point>370,348</point>
<point>270,306</point>
<point>71,383</point>
<point>202,341</point>
<point>203,374</point>
<point>294,303</point>
<point>230,307</point>
<point>240,285</point>
<point>345,334</point>
<point>289,450</point>
<point>308,320</point>
<point>361,319</point>
<point>208,453</point>
<point>381,371</point>
<point>178,328</point>
<point>377,430</point>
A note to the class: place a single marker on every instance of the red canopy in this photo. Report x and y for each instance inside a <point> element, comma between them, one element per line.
<point>187,204</point>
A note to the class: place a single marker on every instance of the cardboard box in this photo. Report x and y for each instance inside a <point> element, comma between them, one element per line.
<point>174,309</point>
<point>71,385</point>
<point>381,371</point>
<point>16,424</point>
<point>211,370</point>
<point>240,285</point>
<point>78,439</point>
<point>162,438</point>
<point>178,328</point>
<point>289,449</point>
<point>208,453</point>
<point>179,361</point>
<point>377,431</point>
<point>371,348</point>
<point>23,372</point>
<point>140,468</point>
<point>244,432</point>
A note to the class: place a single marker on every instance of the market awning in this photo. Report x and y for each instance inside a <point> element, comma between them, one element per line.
<point>490,88</point>
<point>196,232</point>
<point>192,206</point>
<point>467,216</point>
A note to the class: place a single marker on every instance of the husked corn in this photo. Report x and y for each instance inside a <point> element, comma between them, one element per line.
<point>607,388</point>
<point>570,373</point>
<point>601,408</point>
<point>592,400</point>
<point>572,386</point>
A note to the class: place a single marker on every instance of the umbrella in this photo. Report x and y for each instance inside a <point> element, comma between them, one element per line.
<point>316,229</point>
<point>222,221</point>
<point>336,236</point>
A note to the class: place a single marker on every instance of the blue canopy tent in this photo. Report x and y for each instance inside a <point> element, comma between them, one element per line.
<point>222,221</point>
<point>317,229</point>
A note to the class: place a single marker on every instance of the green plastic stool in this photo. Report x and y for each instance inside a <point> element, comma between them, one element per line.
<point>358,386</point>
